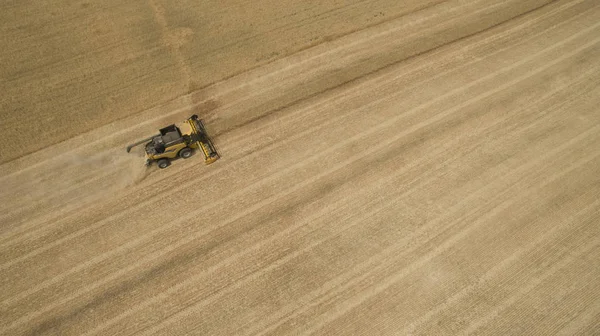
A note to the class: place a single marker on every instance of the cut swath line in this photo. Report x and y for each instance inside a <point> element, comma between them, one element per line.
<point>390,202</point>
<point>287,232</point>
<point>393,251</point>
<point>377,258</point>
<point>37,227</point>
<point>573,255</point>
<point>386,143</point>
<point>502,266</point>
<point>286,65</point>
<point>549,65</point>
<point>99,224</point>
<point>237,85</point>
<point>470,46</point>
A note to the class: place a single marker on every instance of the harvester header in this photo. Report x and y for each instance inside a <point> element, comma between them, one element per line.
<point>178,141</point>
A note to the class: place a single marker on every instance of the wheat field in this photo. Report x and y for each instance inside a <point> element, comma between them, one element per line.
<point>387,168</point>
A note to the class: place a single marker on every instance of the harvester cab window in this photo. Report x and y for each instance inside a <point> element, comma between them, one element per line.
<point>172,138</point>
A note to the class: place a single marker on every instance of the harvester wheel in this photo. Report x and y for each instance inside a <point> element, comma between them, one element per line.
<point>185,153</point>
<point>163,163</point>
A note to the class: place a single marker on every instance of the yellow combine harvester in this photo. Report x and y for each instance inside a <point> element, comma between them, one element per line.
<point>178,141</point>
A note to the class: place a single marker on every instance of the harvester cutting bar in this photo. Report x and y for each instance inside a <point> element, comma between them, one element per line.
<point>203,142</point>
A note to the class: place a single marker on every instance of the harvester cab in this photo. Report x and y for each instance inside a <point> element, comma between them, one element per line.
<point>178,141</point>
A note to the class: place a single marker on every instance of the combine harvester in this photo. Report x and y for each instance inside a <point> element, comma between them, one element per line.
<point>178,141</point>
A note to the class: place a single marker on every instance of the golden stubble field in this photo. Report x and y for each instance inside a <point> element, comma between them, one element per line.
<point>388,168</point>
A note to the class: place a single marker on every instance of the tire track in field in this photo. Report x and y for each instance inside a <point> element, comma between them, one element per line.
<point>211,174</point>
<point>261,242</point>
<point>507,275</point>
<point>387,204</point>
<point>255,73</point>
<point>307,299</point>
<point>496,240</point>
<point>173,39</point>
<point>286,233</point>
<point>361,273</point>
<point>162,23</point>
<point>37,226</point>
<point>296,60</point>
<point>566,261</point>
<point>435,52</point>
<point>354,46</point>
<point>504,86</point>
<point>556,233</point>
<point>508,84</point>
